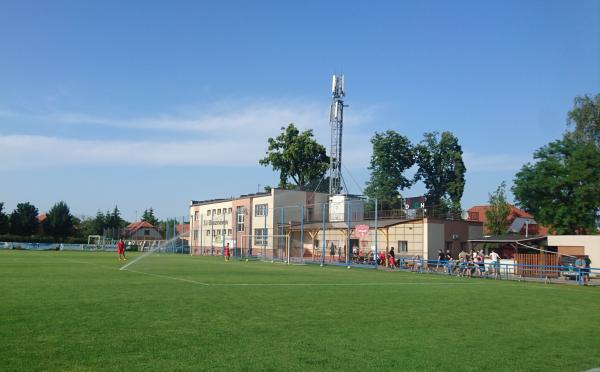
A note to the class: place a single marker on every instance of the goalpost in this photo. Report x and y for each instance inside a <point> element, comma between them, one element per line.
<point>273,248</point>
<point>160,246</point>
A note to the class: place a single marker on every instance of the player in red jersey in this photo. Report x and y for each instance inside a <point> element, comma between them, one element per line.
<point>227,253</point>
<point>121,250</point>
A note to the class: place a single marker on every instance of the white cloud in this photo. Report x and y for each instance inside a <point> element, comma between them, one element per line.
<point>29,151</point>
<point>225,134</point>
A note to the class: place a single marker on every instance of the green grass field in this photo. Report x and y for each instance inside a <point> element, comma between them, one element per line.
<point>75,311</point>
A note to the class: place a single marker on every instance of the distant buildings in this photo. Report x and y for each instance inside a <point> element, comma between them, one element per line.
<point>519,221</point>
<point>141,230</point>
<point>313,225</point>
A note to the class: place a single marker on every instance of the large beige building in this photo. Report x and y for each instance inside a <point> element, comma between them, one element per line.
<point>270,224</point>
<point>251,222</point>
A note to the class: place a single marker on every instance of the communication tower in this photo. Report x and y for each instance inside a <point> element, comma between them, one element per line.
<point>336,120</point>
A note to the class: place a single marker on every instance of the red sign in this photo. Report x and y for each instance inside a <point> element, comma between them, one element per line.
<point>361,231</point>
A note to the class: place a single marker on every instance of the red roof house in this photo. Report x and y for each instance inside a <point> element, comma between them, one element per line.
<point>519,221</point>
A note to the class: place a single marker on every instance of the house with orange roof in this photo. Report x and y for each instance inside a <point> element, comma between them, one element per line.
<point>141,230</point>
<point>519,221</point>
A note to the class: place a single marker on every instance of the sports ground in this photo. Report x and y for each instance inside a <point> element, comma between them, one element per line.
<point>76,311</point>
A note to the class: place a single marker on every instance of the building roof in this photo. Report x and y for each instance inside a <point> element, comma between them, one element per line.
<point>244,196</point>
<point>519,222</point>
<point>134,226</point>
<point>477,213</point>
<point>182,228</point>
<point>508,238</point>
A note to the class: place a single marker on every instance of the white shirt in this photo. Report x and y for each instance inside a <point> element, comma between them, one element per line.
<point>494,256</point>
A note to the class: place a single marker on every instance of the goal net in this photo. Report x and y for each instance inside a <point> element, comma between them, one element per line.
<point>170,246</point>
<point>274,248</point>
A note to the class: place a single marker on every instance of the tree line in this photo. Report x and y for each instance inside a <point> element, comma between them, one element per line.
<point>302,164</point>
<point>560,188</point>
<point>62,226</point>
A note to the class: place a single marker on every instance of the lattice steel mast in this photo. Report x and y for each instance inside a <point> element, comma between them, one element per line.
<point>336,120</point>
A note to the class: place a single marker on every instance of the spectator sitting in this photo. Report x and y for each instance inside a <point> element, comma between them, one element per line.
<point>450,265</point>
<point>480,265</point>
<point>417,265</point>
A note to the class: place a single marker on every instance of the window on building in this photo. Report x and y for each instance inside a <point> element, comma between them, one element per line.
<point>196,216</point>
<point>146,232</point>
<point>207,232</point>
<point>240,218</point>
<point>260,237</point>
<point>402,246</point>
<point>218,211</point>
<point>261,210</point>
<point>229,210</point>
<point>195,234</point>
<point>308,215</point>
<point>229,232</point>
<point>208,212</point>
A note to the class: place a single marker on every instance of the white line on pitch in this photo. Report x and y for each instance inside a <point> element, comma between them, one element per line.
<point>169,277</point>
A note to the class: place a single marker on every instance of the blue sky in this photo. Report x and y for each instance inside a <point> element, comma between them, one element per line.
<point>150,104</point>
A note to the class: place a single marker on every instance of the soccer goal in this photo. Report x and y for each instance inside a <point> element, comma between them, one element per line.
<point>273,248</point>
<point>170,246</point>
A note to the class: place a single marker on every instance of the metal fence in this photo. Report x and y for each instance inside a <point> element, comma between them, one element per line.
<point>307,231</point>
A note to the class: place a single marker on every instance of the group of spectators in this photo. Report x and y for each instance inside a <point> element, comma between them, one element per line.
<point>466,264</point>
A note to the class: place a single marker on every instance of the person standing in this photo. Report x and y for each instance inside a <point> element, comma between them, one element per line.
<point>121,250</point>
<point>392,259</point>
<point>331,252</point>
<point>441,259</point>
<point>495,257</point>
<point>227,252</point>
<point>580,265</point>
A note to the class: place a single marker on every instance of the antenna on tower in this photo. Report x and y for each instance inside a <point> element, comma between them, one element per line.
<point>336,121</point>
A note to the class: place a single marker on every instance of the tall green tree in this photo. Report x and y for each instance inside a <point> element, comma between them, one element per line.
<point>562,187</point>
<point>392,156</point>
<point>300,160</point>
<point>23,219</point>
<point>86,227</point>
<point>497,214</point>
<point>59,221</point>
<point>113,219</point>
<point>441,168</point>
<point>149,217</point>
<point>4,226</point>
<point>584,120</point>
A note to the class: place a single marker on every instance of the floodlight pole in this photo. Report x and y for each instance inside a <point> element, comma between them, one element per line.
<point>224,231</point>
<point>302,232</point>
<point>201,236</point>
<point>323,242</point>
<point>212,231</point>
<point>281,222</point>
<point>376,228</point>
<point>348,233</point>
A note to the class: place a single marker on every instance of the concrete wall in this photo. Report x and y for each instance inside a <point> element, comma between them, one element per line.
<point>435,239</point>
<point>590,244</point>
<point>411,232</point>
